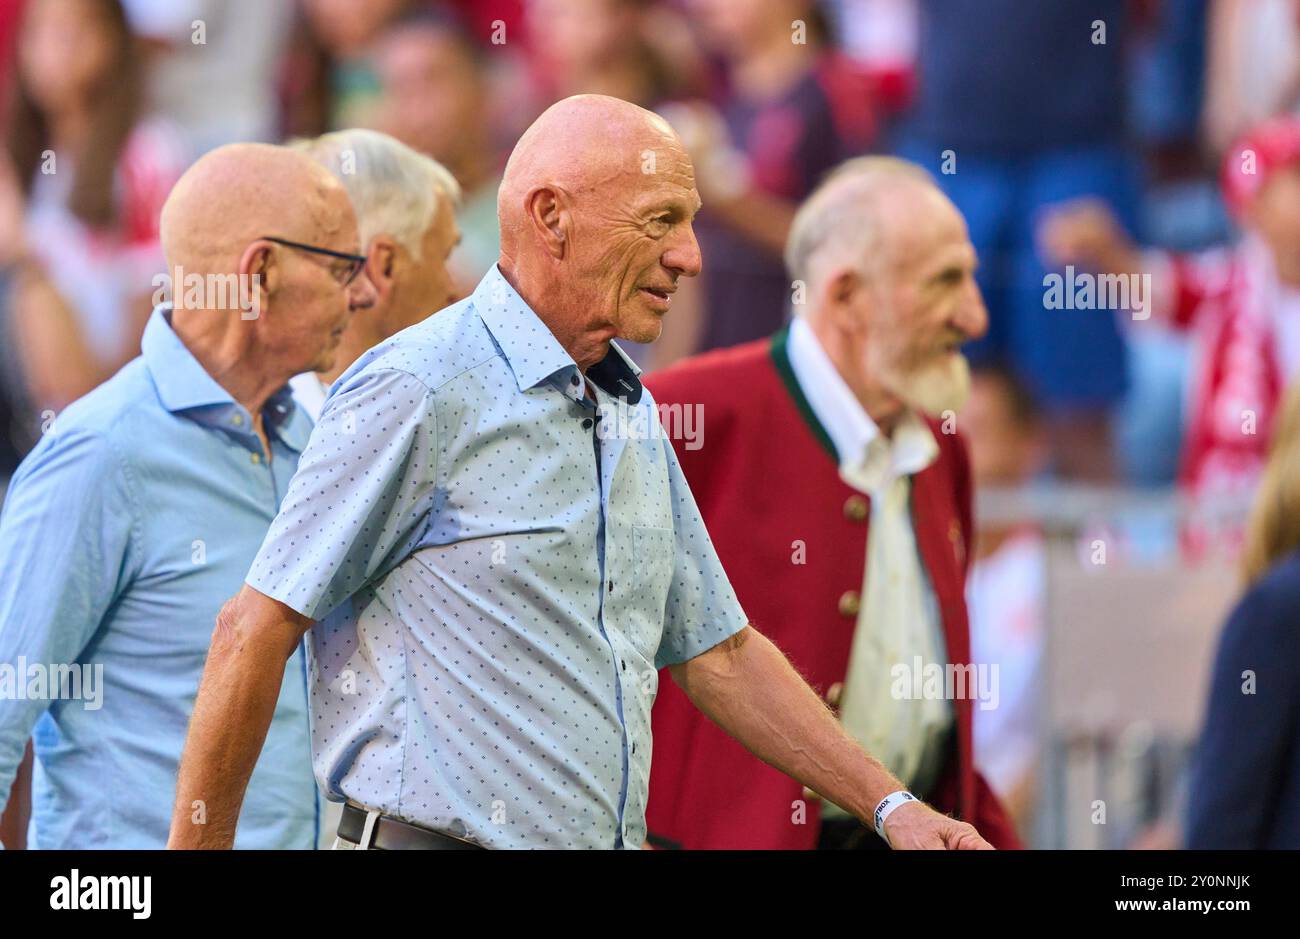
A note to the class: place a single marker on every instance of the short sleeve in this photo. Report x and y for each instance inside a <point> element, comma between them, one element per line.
<point>702,608</point>
<point>361,498</point>
<point>67,537</point>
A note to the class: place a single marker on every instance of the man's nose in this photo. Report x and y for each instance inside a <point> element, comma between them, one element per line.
<point>361,293</point>
<point>683,256</point>
<point>972,316</point>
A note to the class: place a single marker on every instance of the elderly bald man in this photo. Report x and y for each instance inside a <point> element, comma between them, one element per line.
<point>142,507</point>
<point>496,573</point>
<point>406,211</point>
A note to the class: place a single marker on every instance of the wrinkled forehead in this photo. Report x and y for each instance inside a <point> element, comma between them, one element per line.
<point>658,171</point>
<point>927,232</point>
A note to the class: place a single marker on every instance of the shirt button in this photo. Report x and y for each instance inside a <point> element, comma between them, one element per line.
<point>623,662</point>
<point>850,603</point>
<point>586,423</point>
<point>610,586</point>
<point>255,457</point>
<point>238,420</point>
<point>575,381</point>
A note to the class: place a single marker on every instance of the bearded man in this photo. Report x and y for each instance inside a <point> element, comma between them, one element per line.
<point>840,426</point>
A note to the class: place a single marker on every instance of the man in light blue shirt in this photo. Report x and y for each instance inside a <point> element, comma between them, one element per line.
<point>494,548</point>
<point>141,508</point>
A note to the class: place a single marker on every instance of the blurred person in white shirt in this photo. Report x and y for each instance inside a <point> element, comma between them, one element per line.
<point>92,175</point>
<point>214,65</point>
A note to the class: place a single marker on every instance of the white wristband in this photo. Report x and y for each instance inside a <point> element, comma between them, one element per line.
<point>887,806</point>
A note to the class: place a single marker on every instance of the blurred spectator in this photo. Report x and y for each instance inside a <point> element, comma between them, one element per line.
<point>487,18</point>
<point>330,80</point>
<point>1254,66</point>
<point>1245,790</point>
<point>1181,211</point>
<point>1241,302</point>
<point>211,74</point>
<point>43,356</point>
<point>1006,590</point>
<point>881,36</point>
<point>603,47</point>
<point>1021,105</point>
<point>435,99</point>
<point>94,177</point>
<point>789,109</point>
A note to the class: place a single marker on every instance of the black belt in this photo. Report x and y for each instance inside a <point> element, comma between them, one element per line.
<point>393,834</point>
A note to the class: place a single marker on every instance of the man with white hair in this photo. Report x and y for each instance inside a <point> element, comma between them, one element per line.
<point>841,424</point>
<point>406,212</point>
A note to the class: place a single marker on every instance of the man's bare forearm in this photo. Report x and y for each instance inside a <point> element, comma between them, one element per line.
<point>18,808</point>
<point>233,710</point>
<point>749,689</point>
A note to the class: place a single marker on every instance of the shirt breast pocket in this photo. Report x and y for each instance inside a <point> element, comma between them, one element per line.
<point>652,570</point>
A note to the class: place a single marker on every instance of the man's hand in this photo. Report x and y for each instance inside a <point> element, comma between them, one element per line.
<point>1086,232</point>
<point>916,826</point>
<point>749,689</point>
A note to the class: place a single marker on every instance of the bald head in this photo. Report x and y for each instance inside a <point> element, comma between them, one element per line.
<point>595,210</point>
<point>255,310</point>
<point>863,215</point>
<point>241,192</point>
<point>588,145</point>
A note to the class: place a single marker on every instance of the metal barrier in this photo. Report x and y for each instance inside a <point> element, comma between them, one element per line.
<point>1130,627</point>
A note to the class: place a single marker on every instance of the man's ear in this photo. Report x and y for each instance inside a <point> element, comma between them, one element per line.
<point>258,260</point>
<point>381,263</point>
<point>843,296</point>
<point>258,272</point>
<point>549,218</point>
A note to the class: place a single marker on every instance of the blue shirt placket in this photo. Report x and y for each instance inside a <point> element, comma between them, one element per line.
<point>608,450</point>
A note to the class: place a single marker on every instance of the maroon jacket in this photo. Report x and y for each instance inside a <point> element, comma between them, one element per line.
<point>767,482</point>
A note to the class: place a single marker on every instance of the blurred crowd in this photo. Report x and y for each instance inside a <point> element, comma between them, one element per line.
<point>1042,121</point>
<point>1090,134</point>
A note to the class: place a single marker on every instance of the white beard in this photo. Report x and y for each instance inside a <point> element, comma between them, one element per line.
<point>933,389</point>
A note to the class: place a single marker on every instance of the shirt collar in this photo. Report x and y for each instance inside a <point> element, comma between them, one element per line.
<point>531,349</point>
<point>867,458</point>
<point>617,375</point>
<point>181,381</point>
<point>184,386</point>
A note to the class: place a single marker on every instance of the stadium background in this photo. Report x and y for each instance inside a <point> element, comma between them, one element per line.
<point>1081,415</point>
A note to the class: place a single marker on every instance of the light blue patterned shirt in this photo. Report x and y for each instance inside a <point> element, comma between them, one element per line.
<point>497,581</point>
<point>124,531</point>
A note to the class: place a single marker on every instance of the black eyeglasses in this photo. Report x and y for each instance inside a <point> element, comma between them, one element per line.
<point>344,276</point>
